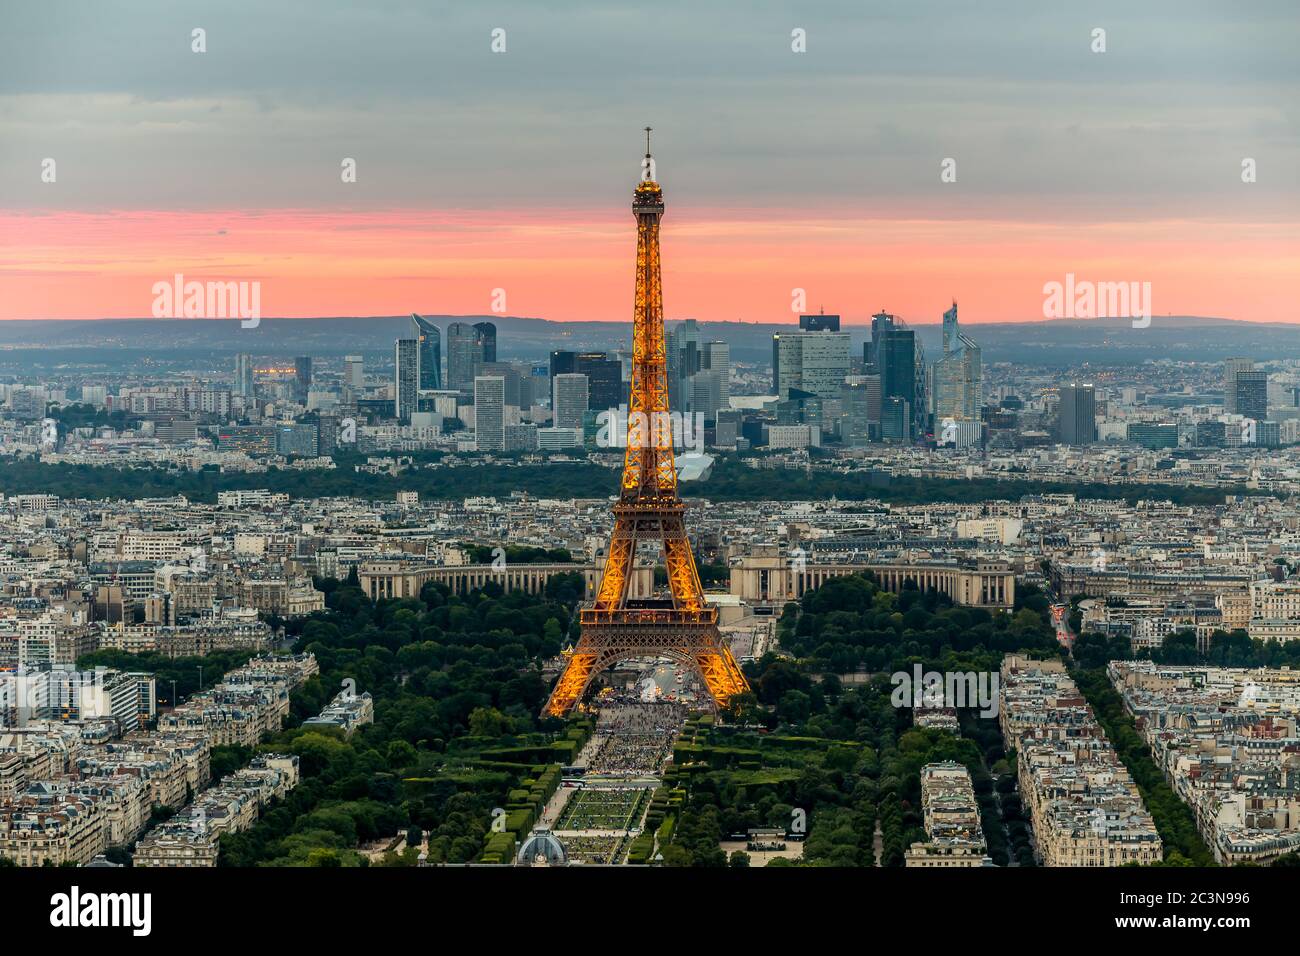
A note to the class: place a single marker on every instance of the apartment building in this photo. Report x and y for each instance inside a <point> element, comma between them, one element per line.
<point>952,820</point>
<point>1227,740</point>
<point>1083,804</point>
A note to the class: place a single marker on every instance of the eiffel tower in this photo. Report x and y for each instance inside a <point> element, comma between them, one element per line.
<point>683,629</point>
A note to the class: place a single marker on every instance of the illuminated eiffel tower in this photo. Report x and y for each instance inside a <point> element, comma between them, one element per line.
<point>616,628</point>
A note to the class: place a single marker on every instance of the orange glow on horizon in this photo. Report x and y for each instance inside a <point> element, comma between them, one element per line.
<point>574,265</point>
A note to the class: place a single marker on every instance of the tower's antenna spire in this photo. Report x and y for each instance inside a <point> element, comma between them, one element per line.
<point>647,140</point>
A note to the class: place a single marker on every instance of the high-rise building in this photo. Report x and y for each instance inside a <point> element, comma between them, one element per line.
<point>469,347</point>
<point>895,359</point>
<point>512,376</point>
<point>727,429</point>
<point>354,372</point>
<point>301,377</point>
<point>569,401</point>
<point>563,363</point>
<point>327,434</point>
<point>430,353</point>
<point>860,410</point>
<point>814,362</point>
<point>244,375</point>
<point>489,413</point>
<point>1078,415</point>
<point>717,358</point>
<point>880,322</point>
<point>463,353</point>
<point>958,375</point>
<point>406,378</point>
<point>705,396</point>
<point>604,376</point>
<point>604,379</point>
<point>1230,369</point>
<point>682,343</point>
<point>1245,390</point>
<point>821,322</point>
<point>485,339</point>
<point>895,418</point>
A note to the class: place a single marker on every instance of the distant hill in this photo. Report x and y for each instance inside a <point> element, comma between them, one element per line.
<point>1057,341</point>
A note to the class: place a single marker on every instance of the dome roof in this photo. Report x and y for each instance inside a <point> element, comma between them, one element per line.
<point>542,848</point>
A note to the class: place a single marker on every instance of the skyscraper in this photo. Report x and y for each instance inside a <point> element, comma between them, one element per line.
<point>1245,390</point>
<point>604,379</point>
<point>489,413</point>
<point>895,354</point>
<point>814,362</point>
<point>895,419</point>
<point>485,339</point>
<point>463,353</point>
<point>301,377</point>
<point>705,396</point>
<point>604,376</point>
<point>958,375</point>
<point>430,353</point>
<point>1252,395</point>
<point>860,410</point>
<point>406,378</point>
<point>563,363</point>
<point>468,348</point>
<point>821,322</point>
<point>569,401</point>
<point>682,343</point>
<point>880,322</point>
<point>717,358</point>
<point>510,374</point>
<point>1078,415</point>
<point>327,434</point>
<point>354,372</point>
<point>1230,369</point>
<point>244,375</point>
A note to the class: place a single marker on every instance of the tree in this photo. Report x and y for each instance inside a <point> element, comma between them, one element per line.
<point>401,754</point>
<point>488,722</point>
<point>324,857</point>
<point>795,707</point>
<point>674,855</point>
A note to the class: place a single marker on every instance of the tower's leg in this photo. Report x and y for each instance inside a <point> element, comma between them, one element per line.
<point>573,682</point>
<point>721,673</point>
<point>703,651</point>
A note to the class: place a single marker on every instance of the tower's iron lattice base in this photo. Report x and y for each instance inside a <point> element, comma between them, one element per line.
<point>699,647</point>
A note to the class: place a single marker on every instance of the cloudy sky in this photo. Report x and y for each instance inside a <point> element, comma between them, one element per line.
<point>820,170</point>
